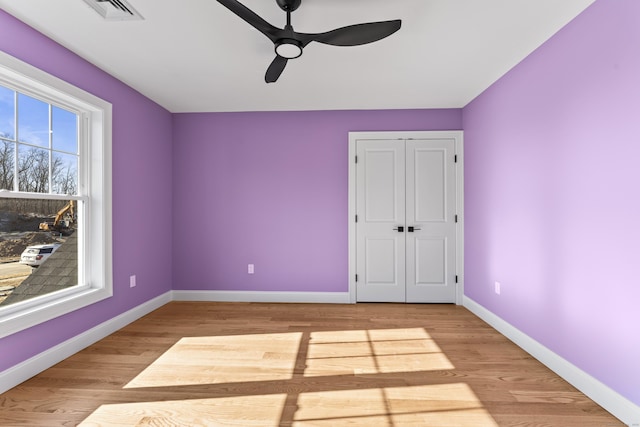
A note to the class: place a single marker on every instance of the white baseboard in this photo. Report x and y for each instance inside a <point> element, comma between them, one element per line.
<point>33,366</point>
<point>253,296</point>
<point>616,404</point>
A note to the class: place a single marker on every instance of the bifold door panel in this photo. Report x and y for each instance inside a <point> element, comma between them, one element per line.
<point>405,234</point>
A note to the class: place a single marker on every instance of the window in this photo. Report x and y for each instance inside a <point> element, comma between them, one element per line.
<point>55,197</point>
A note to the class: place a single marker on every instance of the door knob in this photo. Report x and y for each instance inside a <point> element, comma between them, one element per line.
<point>399,229</point>
<point>412,229</point>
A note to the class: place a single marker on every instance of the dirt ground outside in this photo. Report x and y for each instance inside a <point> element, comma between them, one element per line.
<point>8,285</point>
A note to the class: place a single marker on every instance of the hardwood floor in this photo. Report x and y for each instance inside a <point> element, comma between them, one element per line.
<point>237,364</point>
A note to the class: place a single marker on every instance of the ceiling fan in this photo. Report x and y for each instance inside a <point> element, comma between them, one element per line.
<point>289,44</point>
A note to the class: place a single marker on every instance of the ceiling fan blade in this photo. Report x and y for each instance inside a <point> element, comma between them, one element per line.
<point>275,69</point>
<point>252,18</point>
<point>355,35</point>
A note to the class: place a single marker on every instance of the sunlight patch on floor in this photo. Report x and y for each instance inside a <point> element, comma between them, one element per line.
<point>272,357</point>
<point>430,405</point>
<point>373,351</point>
<point>223,359</point>
<point>259,411</point>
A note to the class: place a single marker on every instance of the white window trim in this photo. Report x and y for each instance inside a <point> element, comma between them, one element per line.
<point>95,238</point>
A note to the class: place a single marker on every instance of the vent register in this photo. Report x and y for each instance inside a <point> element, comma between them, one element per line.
<point>114,10</point>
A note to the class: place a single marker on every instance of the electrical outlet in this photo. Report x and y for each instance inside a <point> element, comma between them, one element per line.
<point>132,281</point>
<point>497,287</point>
<point>250,269</point>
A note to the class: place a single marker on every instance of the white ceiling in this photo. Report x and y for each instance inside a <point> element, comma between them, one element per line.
<point>196,56</point>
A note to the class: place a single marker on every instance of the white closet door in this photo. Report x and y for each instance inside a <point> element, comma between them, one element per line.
<point>430,220</point>
<point>406,231</point>
<point>381,209</point>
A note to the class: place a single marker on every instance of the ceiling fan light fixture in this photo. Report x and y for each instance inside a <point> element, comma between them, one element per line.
<point>288,48</point>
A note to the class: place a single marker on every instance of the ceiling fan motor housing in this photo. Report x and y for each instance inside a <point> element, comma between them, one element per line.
<point>289,5</point>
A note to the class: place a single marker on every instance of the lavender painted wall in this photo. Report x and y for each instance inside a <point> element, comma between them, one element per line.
<point>551,186</point>
<point>271,189</point>
<point>142,204</point>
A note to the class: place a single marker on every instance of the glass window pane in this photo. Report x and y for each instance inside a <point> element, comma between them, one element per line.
<point>64,173</point>
<point>7,113</point>
<point>33,121</point>
<point>39,247</point>
<point>7,162</point>
<point>65,130</point>
<point>33,169</point>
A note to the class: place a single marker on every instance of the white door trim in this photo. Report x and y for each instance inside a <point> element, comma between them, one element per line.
<point>459,150</point>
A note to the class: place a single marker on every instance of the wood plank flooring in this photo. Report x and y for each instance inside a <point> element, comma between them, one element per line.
<point>237,364</point>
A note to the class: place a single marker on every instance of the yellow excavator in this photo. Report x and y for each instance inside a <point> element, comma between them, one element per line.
<point>60,224</point>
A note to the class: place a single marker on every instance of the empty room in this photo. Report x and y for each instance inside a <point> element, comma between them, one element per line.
<point>319,213</point>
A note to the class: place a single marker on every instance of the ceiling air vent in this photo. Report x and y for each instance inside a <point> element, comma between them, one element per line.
<point>114,10</point>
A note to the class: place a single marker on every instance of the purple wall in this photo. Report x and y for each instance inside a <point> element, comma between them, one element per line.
<point>142,176</point>
<point>271,189</point>
<point>551,187</point>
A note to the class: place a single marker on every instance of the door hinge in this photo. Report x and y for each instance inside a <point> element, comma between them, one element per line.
<point>356,277</point>
<point>455,158</point>
<point>356,159</point>
<point>356,218</point>
<point>456,278</point>
<point>456,219</point>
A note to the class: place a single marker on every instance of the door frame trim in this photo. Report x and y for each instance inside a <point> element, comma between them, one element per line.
<point>457,135</point>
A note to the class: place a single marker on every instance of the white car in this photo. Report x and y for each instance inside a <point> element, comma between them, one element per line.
<point>37,254</point>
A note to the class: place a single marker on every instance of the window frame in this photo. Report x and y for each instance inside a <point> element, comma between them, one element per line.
<point>94,190</point>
